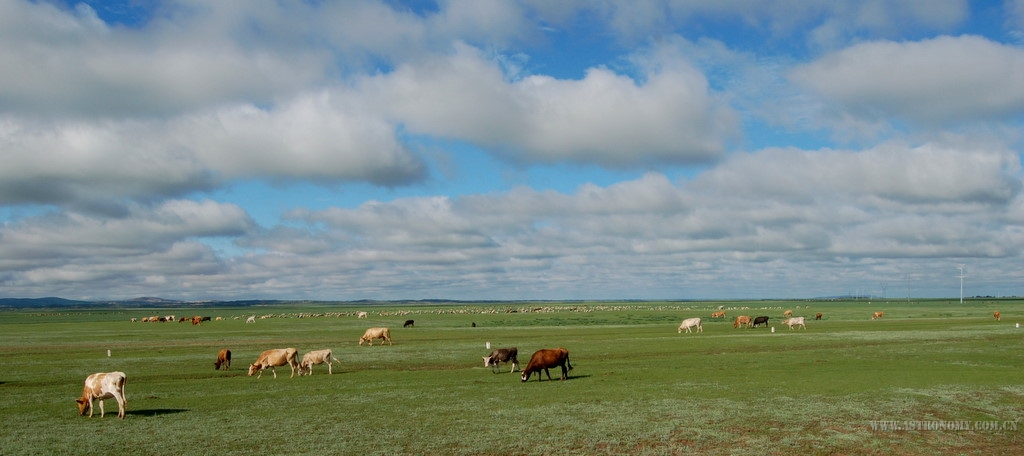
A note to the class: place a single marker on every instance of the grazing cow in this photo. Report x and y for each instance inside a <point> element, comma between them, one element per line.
<point>877,315</point>
<point>719,314</point>
<point>817,316</point>
<point>361,315</point>
<point>691,323</point>
<point>408,323</point>
<point>103,385</point>
<point>223,360</point>
<point>273,358</point>
<point>502,355</point>
<point>997,316</point>
<point>795,321</point>
<point>762,320</point>
<point>787,313</point>
<point>545,359</point>
<point>741,320</point>
<point>251,319</point>
<point>315,357</point>
<point>376,333</point>
<point>197,320</point>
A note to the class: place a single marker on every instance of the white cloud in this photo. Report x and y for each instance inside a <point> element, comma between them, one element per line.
<point>940,80</point>
<point>605,118</point>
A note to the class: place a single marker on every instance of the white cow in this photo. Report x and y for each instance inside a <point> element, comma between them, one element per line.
<point>376,333</point>
<point>361,315</point>
<point>251,319</point>
<point>691,323</point>
<point>795,321</point>
<point>103,385</point>
<point>315,357</point>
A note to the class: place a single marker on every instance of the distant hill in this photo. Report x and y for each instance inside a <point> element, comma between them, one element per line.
<point>42,302</point>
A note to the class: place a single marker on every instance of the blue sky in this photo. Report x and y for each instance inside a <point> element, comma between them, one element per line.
<point>475,149</point>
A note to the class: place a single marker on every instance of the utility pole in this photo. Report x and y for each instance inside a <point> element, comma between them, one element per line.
<point>961,267</point>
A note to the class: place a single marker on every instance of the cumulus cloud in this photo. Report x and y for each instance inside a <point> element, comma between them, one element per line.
<point>605,118</point>
<point>940,80</point>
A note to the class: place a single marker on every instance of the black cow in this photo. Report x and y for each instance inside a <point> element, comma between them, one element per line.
<point>761,321</point>
<point>502,355</point>
<point>408,323</point>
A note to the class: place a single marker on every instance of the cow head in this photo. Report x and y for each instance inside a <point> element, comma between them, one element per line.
<point>488,360</point>
<point>252,369</point>
<point>83,406</point>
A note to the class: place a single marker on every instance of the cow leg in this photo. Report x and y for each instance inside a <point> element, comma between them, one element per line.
<point>121,405</point>
<point>101,408</point>
<point>274,370</point>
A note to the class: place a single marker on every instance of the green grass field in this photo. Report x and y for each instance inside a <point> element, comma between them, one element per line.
<point>638,387</point>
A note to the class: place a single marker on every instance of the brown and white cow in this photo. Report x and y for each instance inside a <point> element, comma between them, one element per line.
<point>315,357</point>
<point>787,313</point>
<point>103,385</point>
<point>997,316</point>
<point>376,333</point>
<point>877,315</point>
<point>690,323</point>
<point>223,360</point>
<point>795,321</point>
<point>741,320</point>
<point>502,355</point>
<point>197,320</point>
<point>273,358</point>
<point>545,359</point>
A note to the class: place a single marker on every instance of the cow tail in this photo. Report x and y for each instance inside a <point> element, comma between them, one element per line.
<point>567,363</point>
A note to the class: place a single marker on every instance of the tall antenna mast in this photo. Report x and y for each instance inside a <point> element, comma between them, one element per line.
<point>961,267</point>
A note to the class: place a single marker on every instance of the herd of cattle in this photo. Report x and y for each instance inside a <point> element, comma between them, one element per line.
<point>110,385</point>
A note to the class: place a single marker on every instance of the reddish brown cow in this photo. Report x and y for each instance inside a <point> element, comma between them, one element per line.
<point>223,359</point>
<point>997,316</point>
<point>545,359</point>
<point>719,314</point>
<point>817,316</point>
<point>877,315</point>
<point>273,358</point>
<point>197,320</point>
<point>103,385</point>
<point>742,320</point>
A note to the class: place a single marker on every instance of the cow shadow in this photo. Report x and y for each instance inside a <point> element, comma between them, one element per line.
<point>155,412</point>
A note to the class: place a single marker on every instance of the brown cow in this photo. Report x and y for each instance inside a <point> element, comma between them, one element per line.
<point>787,313</point>
<point>103,385</point>
<point>273,358</point>
<point>877,315</point>
<point>719,314</point>
<point>742,320</point>
<point>376,333</point>
<point>223,359</point>
<point>196,320</point>
<point>545,359</point>
<point>817,316</point>
<point>997,315</point>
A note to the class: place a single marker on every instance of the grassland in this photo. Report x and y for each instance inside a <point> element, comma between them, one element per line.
<point>638,387</point>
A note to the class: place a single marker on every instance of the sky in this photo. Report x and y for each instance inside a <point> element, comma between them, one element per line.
<point>511,150</point>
